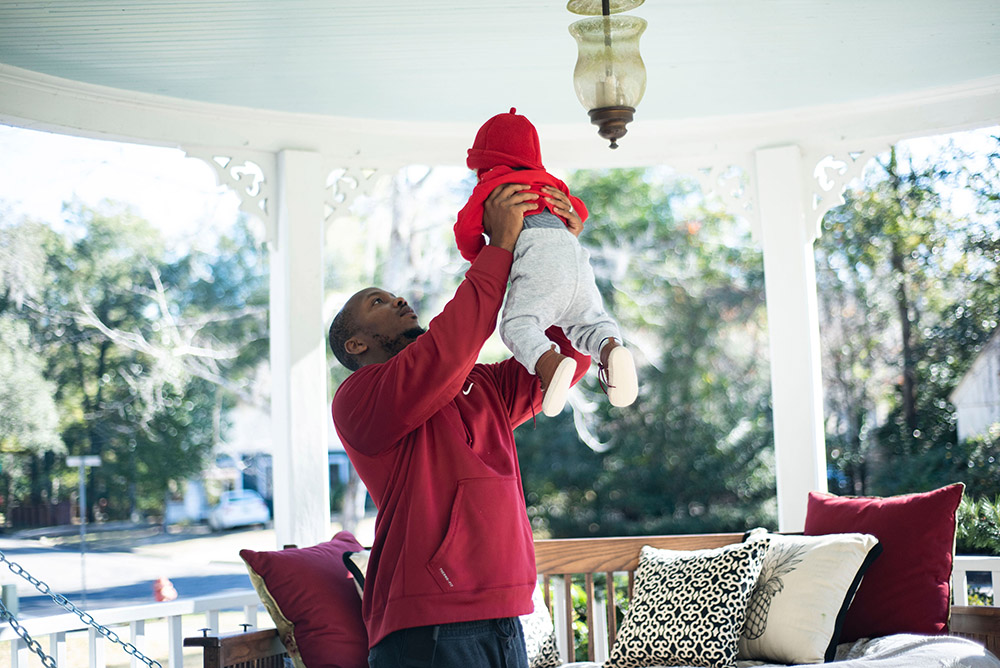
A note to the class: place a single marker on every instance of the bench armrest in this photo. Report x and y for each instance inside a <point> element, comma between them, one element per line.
<point>252,649</point>
<point>977,622</point>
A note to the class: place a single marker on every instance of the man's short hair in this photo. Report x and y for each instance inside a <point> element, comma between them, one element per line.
<point>343,328</point>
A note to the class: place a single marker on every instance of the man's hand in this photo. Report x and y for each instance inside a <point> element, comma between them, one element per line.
<point>503,213</point>
<point>561,206</point>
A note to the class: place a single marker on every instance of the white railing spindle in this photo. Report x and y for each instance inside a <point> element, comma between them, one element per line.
<point>212,622</point>
<point>19,654</point>
<point>137,636</point>
<point>96,657</point>
<point>57,648</point>
<point>175,635</point>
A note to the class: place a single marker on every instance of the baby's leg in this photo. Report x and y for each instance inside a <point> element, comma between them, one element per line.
<point>541,287</point>
<point>593,331</point>
<point>585,321</point>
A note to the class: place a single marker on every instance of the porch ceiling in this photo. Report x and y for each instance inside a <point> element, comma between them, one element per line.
<point>399,80</point>
<point>448,61</point>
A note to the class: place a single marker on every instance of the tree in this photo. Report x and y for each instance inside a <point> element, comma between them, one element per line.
<point>29,422</point>
<point>905,295</point>
<point>693,454</point>
<point>145,351</point>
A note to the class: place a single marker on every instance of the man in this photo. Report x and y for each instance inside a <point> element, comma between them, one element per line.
<point>430,432</point>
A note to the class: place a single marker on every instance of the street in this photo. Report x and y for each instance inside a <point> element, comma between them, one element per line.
<point>121,570</point>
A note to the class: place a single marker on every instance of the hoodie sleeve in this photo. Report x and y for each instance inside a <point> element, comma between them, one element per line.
<point>380,403</point>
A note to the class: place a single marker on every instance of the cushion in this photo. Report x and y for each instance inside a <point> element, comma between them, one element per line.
<point>540,635</point>
<point>311,598</point>
<point>801,597</point>
<point>688,607</point>
<point>907,590</point>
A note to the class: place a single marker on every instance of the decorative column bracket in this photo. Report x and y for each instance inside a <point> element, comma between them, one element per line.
<point>734,183</point>
<point>830,174</point>
<point>826,175</point>
<point>251,177</point>
<point>345,184</point>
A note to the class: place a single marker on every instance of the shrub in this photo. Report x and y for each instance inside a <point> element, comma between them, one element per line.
<point>978,526</point>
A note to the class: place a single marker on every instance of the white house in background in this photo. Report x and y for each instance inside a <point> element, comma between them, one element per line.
<point>249,447</point>
<point>244,460</point>
<point>977,395</point>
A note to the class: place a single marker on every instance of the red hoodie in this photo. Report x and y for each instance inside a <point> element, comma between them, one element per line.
<point>506,150</point>
<point>430,433</point>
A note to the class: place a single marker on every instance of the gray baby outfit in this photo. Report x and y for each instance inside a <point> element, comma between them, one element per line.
<point>552,283</point>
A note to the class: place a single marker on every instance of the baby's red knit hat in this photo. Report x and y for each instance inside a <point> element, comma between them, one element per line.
<point>506,139</point>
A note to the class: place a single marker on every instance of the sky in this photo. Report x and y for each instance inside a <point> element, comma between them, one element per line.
<point>40,170</point>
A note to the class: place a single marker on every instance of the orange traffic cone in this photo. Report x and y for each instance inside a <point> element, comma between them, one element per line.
<point>163,590</point>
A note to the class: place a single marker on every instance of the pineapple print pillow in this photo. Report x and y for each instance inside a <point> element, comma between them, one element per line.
<point>688,607</point>
<point>801,598</point>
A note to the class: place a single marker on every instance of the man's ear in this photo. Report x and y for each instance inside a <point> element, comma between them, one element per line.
<point>355,346</point>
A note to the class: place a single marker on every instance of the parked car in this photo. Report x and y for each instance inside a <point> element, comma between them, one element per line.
<point>238,508</point>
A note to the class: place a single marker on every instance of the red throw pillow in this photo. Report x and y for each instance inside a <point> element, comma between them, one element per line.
<point>907,589</point>
<point>312,600</point>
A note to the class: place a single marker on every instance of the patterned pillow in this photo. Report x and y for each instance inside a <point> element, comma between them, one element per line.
<point>801,598</point>
<point>539,635</point>
<point>688,607</point>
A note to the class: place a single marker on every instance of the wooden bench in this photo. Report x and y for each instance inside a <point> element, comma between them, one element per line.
<point>592,563</point>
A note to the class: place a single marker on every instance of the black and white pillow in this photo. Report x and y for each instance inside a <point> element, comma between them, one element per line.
<point>801,598</point>
<point>688,607</point>
<point>539,635</point>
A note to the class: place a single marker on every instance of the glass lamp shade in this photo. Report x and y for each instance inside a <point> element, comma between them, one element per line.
<point>610,77</point>
<point>596,7</point>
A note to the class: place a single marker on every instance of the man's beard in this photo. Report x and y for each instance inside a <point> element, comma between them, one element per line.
<point>395,344</point>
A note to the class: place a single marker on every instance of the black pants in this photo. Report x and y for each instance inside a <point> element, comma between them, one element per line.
<point>492,643</point>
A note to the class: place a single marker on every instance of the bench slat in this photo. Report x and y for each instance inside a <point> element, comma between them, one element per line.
<point>594,555</point>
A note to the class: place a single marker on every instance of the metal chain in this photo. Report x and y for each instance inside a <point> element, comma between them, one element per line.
<point>32,644</point>
<point>66,604</point>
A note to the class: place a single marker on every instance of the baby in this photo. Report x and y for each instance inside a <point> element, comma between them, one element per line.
<point>551,281</point>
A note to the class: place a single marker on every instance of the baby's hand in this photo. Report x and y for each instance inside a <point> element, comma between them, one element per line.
<point>561,206</point>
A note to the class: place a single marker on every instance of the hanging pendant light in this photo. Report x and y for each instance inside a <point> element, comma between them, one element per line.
<point>610,77</point>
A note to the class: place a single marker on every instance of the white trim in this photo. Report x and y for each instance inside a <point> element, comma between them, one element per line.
<point>793,331</point>
<point>299,371</point>
<point>33,100</point>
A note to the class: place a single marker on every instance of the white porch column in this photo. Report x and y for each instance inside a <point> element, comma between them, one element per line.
<point>793,325</point>
<point>298,354</point>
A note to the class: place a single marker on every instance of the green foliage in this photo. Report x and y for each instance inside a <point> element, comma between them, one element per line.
<point>909,292</point>
<point>142,350</point>
<point>693,454</point>
<point>979,597</point>
<point>28,418</point>
<point>978,526</point>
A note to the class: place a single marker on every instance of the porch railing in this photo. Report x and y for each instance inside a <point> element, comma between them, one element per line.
<point>960,577</point>
<point>130,623</point>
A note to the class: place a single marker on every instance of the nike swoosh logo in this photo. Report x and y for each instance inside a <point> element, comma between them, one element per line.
<point>468,389</point>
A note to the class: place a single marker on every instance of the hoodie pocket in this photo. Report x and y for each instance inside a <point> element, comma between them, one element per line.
<point>489,542</point>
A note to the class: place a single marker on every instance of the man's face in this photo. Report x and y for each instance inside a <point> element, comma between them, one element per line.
<point>384,321</point>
